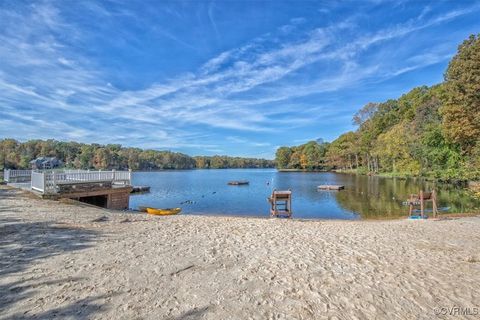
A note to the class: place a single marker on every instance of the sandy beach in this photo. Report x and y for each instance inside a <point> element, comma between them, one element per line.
<point>79,262</point>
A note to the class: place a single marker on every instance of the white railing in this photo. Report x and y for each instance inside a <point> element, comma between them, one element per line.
<point>49,181</point>
<point>10,175</point>
<point>38,181</point>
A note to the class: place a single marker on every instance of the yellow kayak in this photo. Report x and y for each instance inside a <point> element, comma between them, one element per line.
<point>164,212</point>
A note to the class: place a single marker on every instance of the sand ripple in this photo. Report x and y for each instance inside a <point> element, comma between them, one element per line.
<point>60,260</point>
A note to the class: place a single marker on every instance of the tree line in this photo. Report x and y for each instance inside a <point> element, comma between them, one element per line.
<point>429,131</point>
<point>224,162</point>
<point>308,156</point>
<point>17,155</point>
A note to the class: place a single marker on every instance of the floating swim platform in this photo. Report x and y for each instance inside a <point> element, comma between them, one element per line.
<point>164,212</point>
<point>238,183</point>
<point>330,187</point>
<point>140,189</point>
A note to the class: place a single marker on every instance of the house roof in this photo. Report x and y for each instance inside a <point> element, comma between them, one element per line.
<point>45,160</point>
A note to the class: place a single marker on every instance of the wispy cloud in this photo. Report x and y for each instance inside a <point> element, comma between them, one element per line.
<point>53,88</point>
<point>211,9</point>
<point>239,140</point>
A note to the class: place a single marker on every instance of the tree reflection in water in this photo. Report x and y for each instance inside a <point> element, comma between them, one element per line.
<point>379,197</point>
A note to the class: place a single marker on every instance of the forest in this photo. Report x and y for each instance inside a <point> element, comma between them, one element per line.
<point>17,155</point>
<point>429,131</point>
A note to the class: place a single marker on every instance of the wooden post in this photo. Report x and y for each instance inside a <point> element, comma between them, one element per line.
<point>53,180</point>
<point>434,203</point>
<point>290,204</point>
<point>421,203</point>
<point>274,203</point>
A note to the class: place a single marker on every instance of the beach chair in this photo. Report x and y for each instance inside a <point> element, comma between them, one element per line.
<point>281,203</point>
<point>421,199</point>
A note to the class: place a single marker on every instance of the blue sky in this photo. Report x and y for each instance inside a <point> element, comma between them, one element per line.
<point>219,77</point>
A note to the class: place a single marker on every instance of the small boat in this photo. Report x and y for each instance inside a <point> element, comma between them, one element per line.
<point>164,212</point>
<point>238,183</point>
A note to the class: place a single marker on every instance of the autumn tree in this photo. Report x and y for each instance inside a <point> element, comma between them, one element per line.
<point>16,155</point>
<point>282,157</point>
<point>461,111</point>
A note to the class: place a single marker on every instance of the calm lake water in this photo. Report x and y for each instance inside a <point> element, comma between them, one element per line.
<point>207,192</point>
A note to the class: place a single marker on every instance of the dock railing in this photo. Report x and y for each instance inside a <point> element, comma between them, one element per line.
<point>38,181</point>
<point>48,181</point>
<point>10,175</point>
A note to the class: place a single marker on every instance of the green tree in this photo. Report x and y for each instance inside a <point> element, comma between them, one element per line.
<point>282,157</point>
<point>343,151</point>
<point>461,111</point>
<point>393,149</point>
<point>313,155</point>
<point>294,159</point>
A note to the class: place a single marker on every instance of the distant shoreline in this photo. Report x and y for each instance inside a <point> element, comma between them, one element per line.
<point>388,175</point>
<point>302,170</point>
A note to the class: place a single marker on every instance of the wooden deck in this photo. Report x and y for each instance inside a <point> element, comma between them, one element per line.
<point>109,189</point>
<point>116,197</point>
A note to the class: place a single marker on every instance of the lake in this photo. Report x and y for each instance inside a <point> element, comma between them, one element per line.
<point>207,192</point>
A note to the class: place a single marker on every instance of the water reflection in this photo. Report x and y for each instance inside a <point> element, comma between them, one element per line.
<point>377,197</point>
<point>206,192</point>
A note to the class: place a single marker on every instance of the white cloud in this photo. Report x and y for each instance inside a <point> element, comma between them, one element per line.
<point>241,89</point>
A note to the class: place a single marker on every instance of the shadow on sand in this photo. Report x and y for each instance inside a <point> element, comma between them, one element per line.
<point>7,193</point>
<point>22,246</point>
<point>193,314</point>
<point>80,309</point>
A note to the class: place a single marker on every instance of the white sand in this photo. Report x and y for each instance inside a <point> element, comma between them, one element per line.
<point>56,262</point>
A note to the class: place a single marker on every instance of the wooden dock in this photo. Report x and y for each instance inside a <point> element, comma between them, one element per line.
<point>107,189</point>
<point>110,197</point>
<point>330,187</point>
